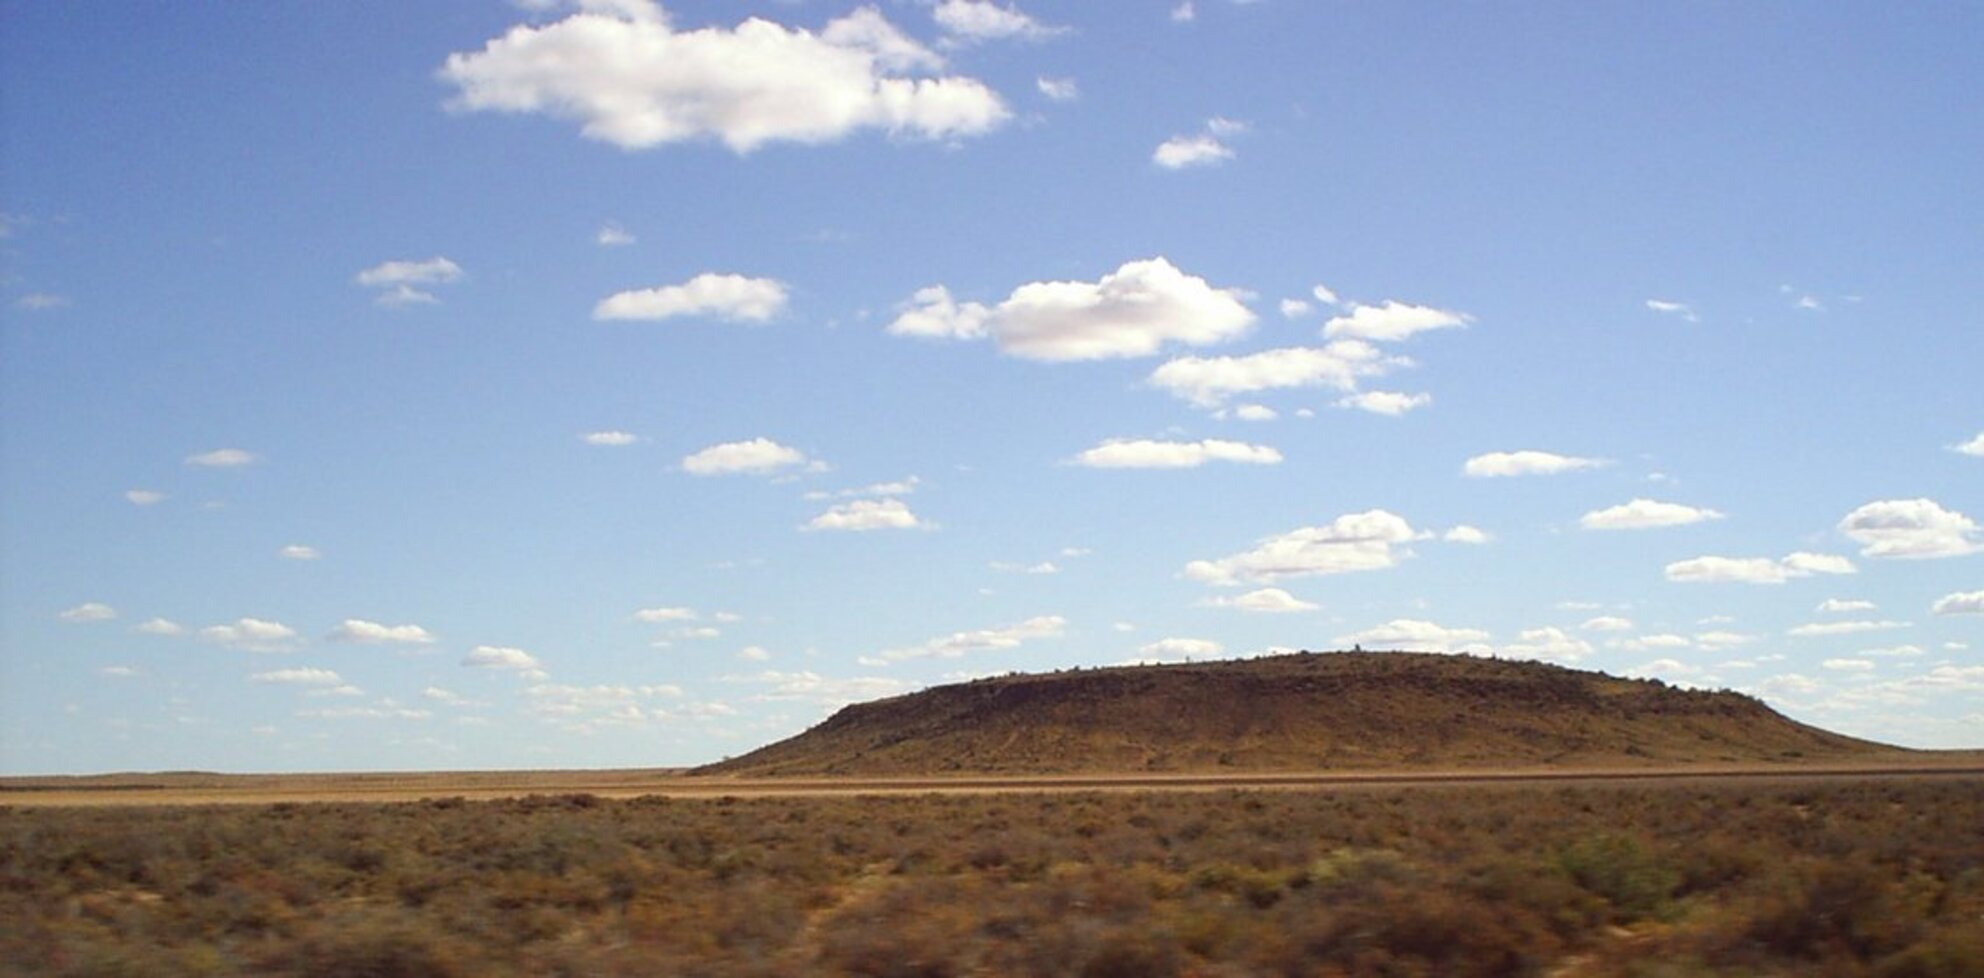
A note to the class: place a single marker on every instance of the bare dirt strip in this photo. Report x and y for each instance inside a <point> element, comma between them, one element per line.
<point>183,788</point>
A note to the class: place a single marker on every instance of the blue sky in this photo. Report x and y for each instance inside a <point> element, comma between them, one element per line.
<point>492,385</point>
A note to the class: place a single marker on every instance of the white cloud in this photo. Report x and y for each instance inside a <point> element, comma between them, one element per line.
<point>1974,447</point>
<point>299,677</point>
<point>1547,643</point>
<point>1326,295</point>
<point>827,691</point>
<point>251,634</point>
<point>753,653</point>
<point>159,626</point>
<point>1911,528</point>
<point>1837,605</point>
<point>1123,453</point>
<point>1389,403</point>
<point>1823,629</point>
<point>41,301</point>
<point>117,672</point>
<point>867,514</point>
<point>1849,665</point>
<point>630,79</point>
<point>1058,89</point>
<point>297,551</point>
<point>609,439</point>
<point>1043,567</point>
<point>1267,600</point>
<point>1960,603</point>
<point>735,298</point>
<point>665,614</point>
<point>1252,412</point>
<point>1663,640</point>
<point>401,282</point>
<point>1642,514</point>
<point>144,497</point>
<point>983,20</point>
<point>1130,312</point>
<point>1473,536</point>
<point>759,456</point>
<point>1414,635</point>
<point>613,236</point>
<point>1184,12</point>
<point>697,633</point>
<point>1894,652</point>
<point>502,657</point>
<point>1180,152</point>
<point>1756,570</point>
<point>1353,542</point>
<point>1607,623</point>
<point>1391,322</point>
<point>1179,649</point>
<point>223,458</point>
<point>957,644</point>
<point>1680,309</point>
<point>1209,381</point>
<point>88,611</point>
<point>372,633</point>
<point>1295,308</point>
<point>1722,639</point>
<point>1526,462</point>
<point>1222,126</point>
<point>1664,669</point>
<point>444,696</point>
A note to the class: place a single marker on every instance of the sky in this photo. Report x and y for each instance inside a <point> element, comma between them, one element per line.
<point>495,385</point>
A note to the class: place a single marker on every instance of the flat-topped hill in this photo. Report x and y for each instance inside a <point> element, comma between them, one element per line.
<point>1307,711</point>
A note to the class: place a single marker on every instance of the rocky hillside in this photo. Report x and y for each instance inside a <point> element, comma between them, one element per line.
<point>1307,711</point>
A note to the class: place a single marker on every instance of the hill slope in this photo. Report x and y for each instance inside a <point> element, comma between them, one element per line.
<point>1295,712</point>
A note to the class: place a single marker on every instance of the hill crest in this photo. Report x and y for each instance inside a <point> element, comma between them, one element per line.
<point>1302,711</point>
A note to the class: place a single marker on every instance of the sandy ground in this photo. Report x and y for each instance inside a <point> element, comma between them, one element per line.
<point>191,788</point>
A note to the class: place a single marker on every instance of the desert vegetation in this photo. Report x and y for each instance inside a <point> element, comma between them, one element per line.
<point>1881,877</point>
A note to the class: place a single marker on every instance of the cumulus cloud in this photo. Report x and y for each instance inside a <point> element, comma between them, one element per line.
<point>1179,649</point>
<point>1133,311</point>
<point>1823,629</point>
<point>1473,536</point>
<point>1607,623</point>
<point>613,236</point>
<point>1201,149</point>
<point>811,687</point>
<point>1124,453</point>
<point>1184,12</point>
<point>223,458</point>
<point>1249,412</point>
<point>758,456</point>
<point>1642,514</point>
<point>1668,308</point>
<point>1973,447</point>
<point>1058,89</point>
<point>1295,308</point>
<point>735,298</point>
<point>298,551</point>
<point>159,626</point>
<point>1267,600</point>
<point>251,634</point>
<point>1911,529</point>
<point>1388,403</point>
<point>502,657</point>
<point>1391,322</point>
<point>1547,643</point>
<point>983,20</point>
<point>1837,605</point>
<point>666,614</point>
<point>1960,603</point>
<point>88,611</point>
<point>143,497</point>
<point>1756,570</point>
<point>364,632</point>
<point>1415,635</point>
<point>609,439</point>
<point>1209,381</point>
<point>1371,540</point>
<point>400,283</point>
<point>1526,462</point>
<point>299,677</point>
<point>867,514</point>
<point>957,644</point>
<point>629,78</point>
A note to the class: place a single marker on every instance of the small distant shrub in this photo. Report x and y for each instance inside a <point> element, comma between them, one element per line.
<point>1624,871</point>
